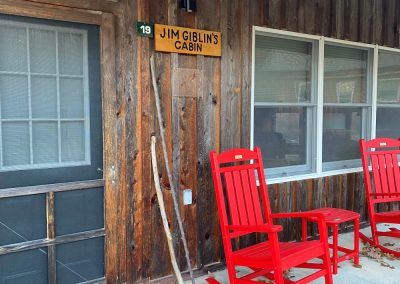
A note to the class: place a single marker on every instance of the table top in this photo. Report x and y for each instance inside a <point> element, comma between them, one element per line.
<point>336,215</point>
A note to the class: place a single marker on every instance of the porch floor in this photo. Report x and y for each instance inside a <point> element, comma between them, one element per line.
<point>373,270</point>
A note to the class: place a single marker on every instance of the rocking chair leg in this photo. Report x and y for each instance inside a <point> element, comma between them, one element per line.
<point>278,276</point>
<point>231,272</point>
<point>328,267</point>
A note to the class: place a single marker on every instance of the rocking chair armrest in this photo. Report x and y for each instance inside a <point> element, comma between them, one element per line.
<point>256,228</point>
<point>306,214</point>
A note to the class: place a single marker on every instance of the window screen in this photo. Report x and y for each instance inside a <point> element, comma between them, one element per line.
<point>44,105</point>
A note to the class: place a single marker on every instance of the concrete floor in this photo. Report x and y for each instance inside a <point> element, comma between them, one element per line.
<point>371,271</point>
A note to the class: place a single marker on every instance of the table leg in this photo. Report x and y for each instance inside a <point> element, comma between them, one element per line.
<point>335,248</point>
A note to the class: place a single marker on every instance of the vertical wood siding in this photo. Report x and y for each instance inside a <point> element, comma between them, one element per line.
<point>214,114</point>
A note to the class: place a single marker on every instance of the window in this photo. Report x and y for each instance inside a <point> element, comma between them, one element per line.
<point>283,103</point>
<point>346,105</point>
<point>313,98</point>
<point>44,105</point>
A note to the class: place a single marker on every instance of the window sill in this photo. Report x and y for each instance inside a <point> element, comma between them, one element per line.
<point>275,180</point>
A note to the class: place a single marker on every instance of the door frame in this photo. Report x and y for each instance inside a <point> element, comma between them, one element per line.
<point>106,23</point>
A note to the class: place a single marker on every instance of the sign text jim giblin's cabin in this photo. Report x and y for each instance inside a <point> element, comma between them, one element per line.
<point>185,40</point>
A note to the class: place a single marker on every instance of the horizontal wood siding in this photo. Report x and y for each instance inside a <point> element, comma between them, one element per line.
<point>212,113</point>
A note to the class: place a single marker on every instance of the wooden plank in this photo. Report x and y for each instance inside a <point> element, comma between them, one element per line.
<point>309,15</point>
<point>188,172</point>
<point>52,12</point>
<point>141,253</point>
<point>326,17</point>
<point>245,56</point>
<point>231,83</point>
<point>58,187</point>
<point>378,22</point>
<point>291,15</point>
<point>129,65</point>
<point>366,20</point>
<point>274,16</point>
<point>99,5</point>
<point>111,191</point>
<point>397,33</point>
<point>158,245</point>
<point>301,16</point>
<point>389,11</point>
<point>209,236</point>
<point>29,245</point>
<point>187,83</point>
<point>338,19</point>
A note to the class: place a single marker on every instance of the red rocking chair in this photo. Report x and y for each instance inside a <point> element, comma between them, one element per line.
<point>381,154</point>
<point>244,208</point>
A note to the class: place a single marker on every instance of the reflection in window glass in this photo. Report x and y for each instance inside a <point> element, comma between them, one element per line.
<point>26,267</point>
<point>281,135</point>
<point>22,219</point>
<point>282,70</point>
<point>342,131</point>
<point>345,75</point>
<point>80,261</point>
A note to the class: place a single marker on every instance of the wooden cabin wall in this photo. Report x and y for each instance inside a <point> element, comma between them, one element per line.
<point>206,106</point>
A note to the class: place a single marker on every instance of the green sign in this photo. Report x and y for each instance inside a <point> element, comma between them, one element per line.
<point>145,29</point>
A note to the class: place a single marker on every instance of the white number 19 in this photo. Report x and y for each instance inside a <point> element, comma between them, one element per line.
<point>146,29</point>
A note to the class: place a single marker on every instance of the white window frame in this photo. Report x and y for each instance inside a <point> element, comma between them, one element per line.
<point>376,105</point>
<point>315,144</point>
<point>30,120</point>
<point>366,107</point>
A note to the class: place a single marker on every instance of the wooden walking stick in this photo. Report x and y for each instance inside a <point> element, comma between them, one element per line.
<point>173,190</point>
<point>162,211</point>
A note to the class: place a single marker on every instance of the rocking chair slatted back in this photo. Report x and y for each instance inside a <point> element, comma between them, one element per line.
<point>385,168</point>
<point>243,202</point>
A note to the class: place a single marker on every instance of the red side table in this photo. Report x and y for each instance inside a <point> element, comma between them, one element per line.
<point>334,217</point>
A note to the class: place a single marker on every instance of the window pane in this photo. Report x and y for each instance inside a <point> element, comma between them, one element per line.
<point>79,210</point>
<point>71,98</point>
<point>45,142</point>
<point>44,97</point>
<point>345,75</point>
<point>25,267</point>
<point>42,45</point>
<point>70,53</point>
<point>13,46</point>
<point>14,96</point>
<point>341,132</point>
<point>80,261</point>
<point>281,135</point>
<point>389,78</point>
<point>22,219</point>
<point>282,70</point>
<point>16,149</point>
<point>387,122</point>
<point>388,93</point>
<point>72,141</point>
